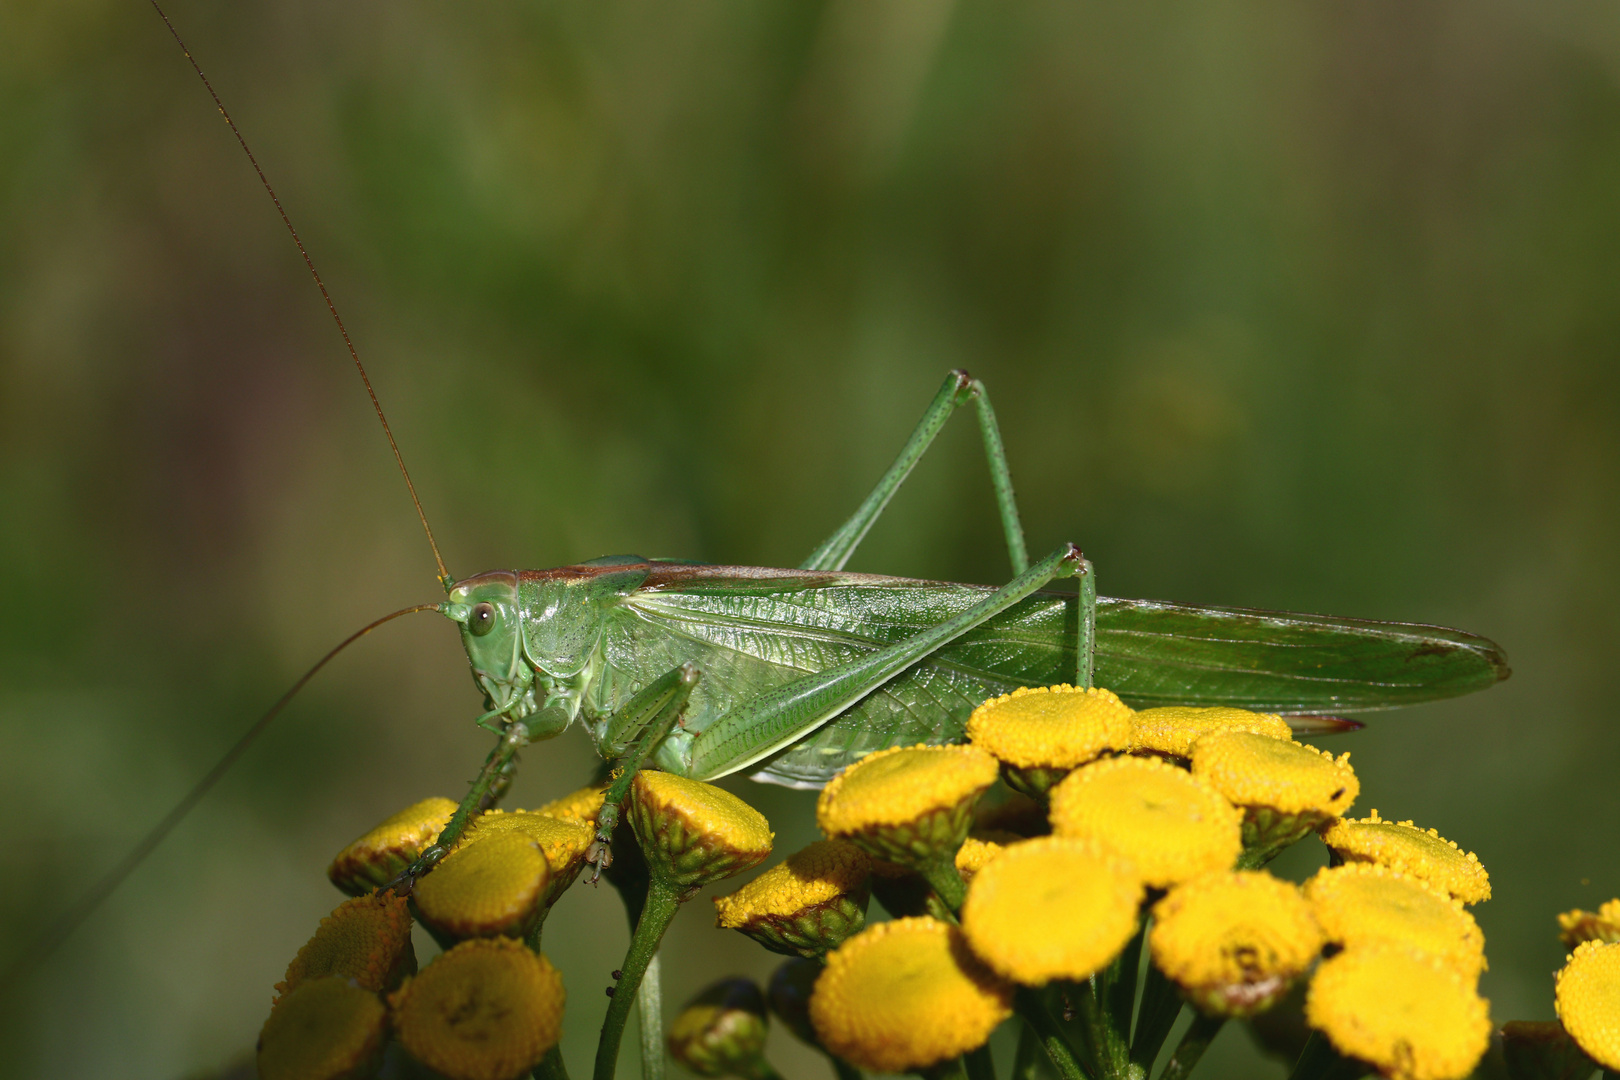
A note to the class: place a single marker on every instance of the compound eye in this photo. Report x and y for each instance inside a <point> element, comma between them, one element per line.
<point>481,620</point>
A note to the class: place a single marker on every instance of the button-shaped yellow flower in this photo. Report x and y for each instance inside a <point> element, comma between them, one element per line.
<point>1052,908</point>
<point>367,939</point>
<point>693,833</point>
<point>491,886</point>
<point>1040,733</point>
<point>488,1009</point>
<point>1588,1001</point>
<point>1603,924</point>
<point>1278,774</point>
<point>905,994</point>
<point>907,804</point>
<point>1173,729</point>
<point>563,842</point>
<point>1410,1016</point>
<point>806,905</point>
<point>1423,853</point>
<point>1172,825</point>
<point>325,1029</point>
<point>1234,941</point>
<point>382,854</point>
<point>1364,903</point>
<point>580,806</point>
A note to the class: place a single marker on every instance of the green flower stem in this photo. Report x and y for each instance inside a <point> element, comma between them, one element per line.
<point>650,1014</point>
<point>1161,1005</point>
<point>943,878</point>
<point>663,900</point>
<point>1192,1046</point>
<point>1028,1060</point>
<point>1029,1005</point>
<point>1319,1061</point>
<point>1099,1028</point>
<point>979,1064</point>
<point>551,1066</point>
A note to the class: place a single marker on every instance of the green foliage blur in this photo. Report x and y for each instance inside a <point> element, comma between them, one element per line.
<point>1284,305</point>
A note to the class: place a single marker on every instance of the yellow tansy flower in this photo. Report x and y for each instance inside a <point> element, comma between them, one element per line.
<point>1051,908</point>
<point>1173,729</point>
<point>907,803</point>
<point>1603,924</point>
<point>1363,903</point>
<point>806,905</point>
<point>976,851</point>
<point>367,939</point>
<point>1170,824</point>
<point>1040,733</point>
<point>488,1009</point>
<point>1423,853</point>
<point>694,833</point>
<point>902,995</point>
<point>325,1029</point>
<point>563,842</point>
<point>1280,774</point>
<point>1409,1015</point>
<point>1234,941</point>
<point>383,853</point>
<point>493,885</point>
<point>1588,1001</point>
<point>581,805</point>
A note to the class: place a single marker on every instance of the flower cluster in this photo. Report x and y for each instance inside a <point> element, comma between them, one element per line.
<point>1163,817</point>
<point>1026,873</point>
<point>1586,1035</point>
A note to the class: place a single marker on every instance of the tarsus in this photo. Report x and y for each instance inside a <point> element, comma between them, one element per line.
<point>44,945</point>
<point>444,575</point>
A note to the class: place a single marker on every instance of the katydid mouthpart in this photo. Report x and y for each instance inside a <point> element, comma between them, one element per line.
<point>793,673</point>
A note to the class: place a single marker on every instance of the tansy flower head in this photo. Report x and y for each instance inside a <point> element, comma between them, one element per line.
<point>1040,733</point>
<point>721,1031</point>
<point>488,1009</point>
<point>1410,1016</point>
<point>1603,924</point>
<point>580,806</point>
<point>1173,729</point>
<point>1282,775</point>
<point>910,804</point>
<point>1423,853</point>
<point>977,851</point>
<point>806,905</point>
<point>1051,908</point>
<point>1234,940</point>
<point>1362,903</point>
<point>325,1029</point>
<point>1170,824</point>
<point>563,842</point>
<point>367,939</point>
<point>382,854</point>
<point>902,995</point>
<point>491,886</point>
<point>694,833</point>
<point>1588,1001</point>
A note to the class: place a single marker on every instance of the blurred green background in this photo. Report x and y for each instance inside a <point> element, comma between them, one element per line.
<point>1295,306</point>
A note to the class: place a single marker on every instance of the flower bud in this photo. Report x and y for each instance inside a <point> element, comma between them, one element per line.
<point>806,905</point>
<point>692,833</point>
<point>382,854</point>
<point>721,1031</point>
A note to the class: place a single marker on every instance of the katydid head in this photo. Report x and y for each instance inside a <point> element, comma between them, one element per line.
<point>486,609</point>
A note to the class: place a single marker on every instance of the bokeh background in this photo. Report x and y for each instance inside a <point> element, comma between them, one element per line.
<point>1305,306</point>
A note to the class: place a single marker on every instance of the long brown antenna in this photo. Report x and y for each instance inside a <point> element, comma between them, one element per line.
<point>444,575</point>
<point>46,943</point>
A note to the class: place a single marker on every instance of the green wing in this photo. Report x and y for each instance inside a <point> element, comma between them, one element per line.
<point>751,629</point>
